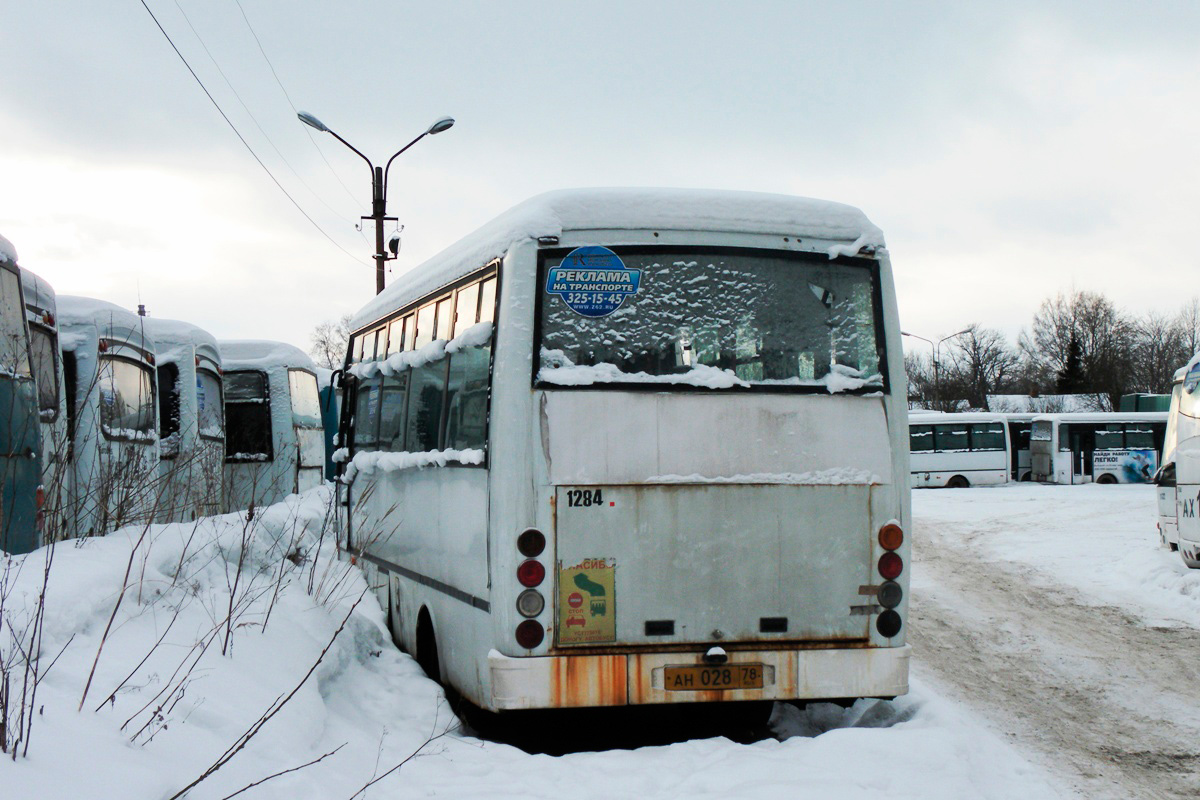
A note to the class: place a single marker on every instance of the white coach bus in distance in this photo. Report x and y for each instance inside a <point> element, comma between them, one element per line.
<point>958,450</point>
<point>1164,479</point>
<point>1187,465</point>
<point>1101,446</point>
<point>625,447</point>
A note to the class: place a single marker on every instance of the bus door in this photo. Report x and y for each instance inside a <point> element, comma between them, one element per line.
<point>20,434</point>
<point>1083,448</point>
<point>309,429</point>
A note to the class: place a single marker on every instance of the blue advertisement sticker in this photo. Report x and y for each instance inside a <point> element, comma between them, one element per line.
<point>593,281</point>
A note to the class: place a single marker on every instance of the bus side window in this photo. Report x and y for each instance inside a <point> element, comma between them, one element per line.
<point>467,399</point>
<point>69,377</point>
<point>427,390</point>
<point>1139,435</point>
<point>987,436</point>
<point>920,439</point>
<point>1110,437</point>
<point>168,410</point>
<point>487,300</point>
<point>466,309</point>
<point>366,415</point>
<point>391,412</point>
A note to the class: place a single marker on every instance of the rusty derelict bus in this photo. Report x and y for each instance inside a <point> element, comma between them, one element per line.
<point>627,447</point>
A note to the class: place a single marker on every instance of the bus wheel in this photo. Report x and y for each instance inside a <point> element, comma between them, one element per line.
<point>1106,479</point>
<point>1190,562</point>
<point>957,482</point>
<point>427,654</point>
<point>1028,476</point>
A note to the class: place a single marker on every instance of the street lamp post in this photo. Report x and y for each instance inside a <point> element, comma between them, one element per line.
<point>936,345</point>
<point>378,185</point>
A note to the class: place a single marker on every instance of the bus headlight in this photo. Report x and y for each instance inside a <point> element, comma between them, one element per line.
<point>530,603</point>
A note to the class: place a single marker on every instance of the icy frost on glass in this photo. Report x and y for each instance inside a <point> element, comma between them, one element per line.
<point>721,320</point>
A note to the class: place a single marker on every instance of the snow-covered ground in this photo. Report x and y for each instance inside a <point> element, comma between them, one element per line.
<point>158,714</point>
<point>1098,540</point>
<point>1053,613</point>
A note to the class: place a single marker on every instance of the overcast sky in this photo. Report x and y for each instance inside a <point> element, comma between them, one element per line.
<point>1008,152</point>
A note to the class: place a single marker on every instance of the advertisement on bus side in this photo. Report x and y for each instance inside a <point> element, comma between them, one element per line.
<point>1127,466</point>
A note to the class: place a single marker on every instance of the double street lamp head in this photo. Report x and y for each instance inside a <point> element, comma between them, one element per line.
<point>439,125</point>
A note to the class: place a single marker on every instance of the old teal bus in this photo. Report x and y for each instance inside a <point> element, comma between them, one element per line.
<point>20,435</point>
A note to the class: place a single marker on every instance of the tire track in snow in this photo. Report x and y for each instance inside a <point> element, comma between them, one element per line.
<point>1108,704</point>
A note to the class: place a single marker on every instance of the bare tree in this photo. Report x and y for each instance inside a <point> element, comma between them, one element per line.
<point>1090,325</point>
<point>977,363</point>
<point>1160,349</point>
<point>329,341</point>
<point>1189,323</point>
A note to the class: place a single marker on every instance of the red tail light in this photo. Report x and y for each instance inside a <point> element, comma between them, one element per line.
<point>41,497</point>
<point>890,566</point>
<point>530,634</point>
<point>531,573</point>
<point>531,542</point>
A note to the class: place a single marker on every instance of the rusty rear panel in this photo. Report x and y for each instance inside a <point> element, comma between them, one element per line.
<point>714,561</point>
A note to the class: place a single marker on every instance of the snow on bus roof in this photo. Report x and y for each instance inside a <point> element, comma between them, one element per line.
<point>953,417</point>
<point>1105,416</point>
<point>38,293</point>
<point>7,251</point>
<point>262,353</point>
<point>552,213</point>
<point>109,319</point>
<point>175,340</point>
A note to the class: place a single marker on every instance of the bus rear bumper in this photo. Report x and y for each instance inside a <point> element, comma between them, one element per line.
<point>639,678</point>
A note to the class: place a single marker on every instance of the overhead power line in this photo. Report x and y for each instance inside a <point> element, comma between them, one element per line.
<point>253,118</point>
<point>295,110</point>
<point>241,138</point>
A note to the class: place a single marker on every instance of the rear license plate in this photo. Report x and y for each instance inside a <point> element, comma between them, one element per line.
<point>697,679</point>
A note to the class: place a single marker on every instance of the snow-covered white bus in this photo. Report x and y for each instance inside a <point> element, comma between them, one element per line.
<point>1187,465</point>
<point>191,421</point>
<point>112,419</point>
<point>1164,479</point>
<point>958,450</point>
<point>41,312</point>
<point>1101,446</point>
<point>274,440</point>
<point>625,447</point>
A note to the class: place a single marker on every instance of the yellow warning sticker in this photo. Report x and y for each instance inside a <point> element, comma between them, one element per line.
<point>587,612</point>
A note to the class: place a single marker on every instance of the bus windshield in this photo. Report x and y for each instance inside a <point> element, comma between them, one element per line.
<point>717,318</point>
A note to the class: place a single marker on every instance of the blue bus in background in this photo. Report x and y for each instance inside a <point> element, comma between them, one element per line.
<point>20,435</point>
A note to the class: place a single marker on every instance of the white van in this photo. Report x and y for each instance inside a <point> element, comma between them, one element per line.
<point>191,421</point>
<point>274,440</point>
<point>112,419</point>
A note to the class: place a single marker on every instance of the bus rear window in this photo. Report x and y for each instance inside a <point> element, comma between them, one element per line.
<point>717,318</point>
<point>126,399</point>
<point>44,345</point>
<point>247,417</point>
<point>14,351</point>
